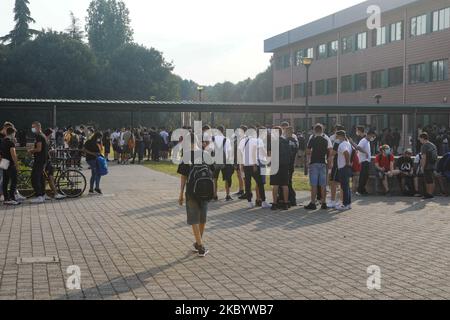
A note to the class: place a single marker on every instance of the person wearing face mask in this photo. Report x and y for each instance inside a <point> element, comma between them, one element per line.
<point>40,154</point>
<point>92,149</point>
<point>384,164</point>
<point>364,157</point>
<point>8,152</point>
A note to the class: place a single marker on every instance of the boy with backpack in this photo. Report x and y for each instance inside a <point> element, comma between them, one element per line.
<point>197,181</point>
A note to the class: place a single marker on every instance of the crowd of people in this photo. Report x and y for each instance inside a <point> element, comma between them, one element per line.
<point>339,161</point>
<point>81,142</point>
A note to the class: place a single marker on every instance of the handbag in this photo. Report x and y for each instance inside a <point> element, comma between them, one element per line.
<point>4,164</point>
<point>102,166</point>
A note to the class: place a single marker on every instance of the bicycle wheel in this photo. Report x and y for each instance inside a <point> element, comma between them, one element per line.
<point>71,183</point>
<point>24,185</point>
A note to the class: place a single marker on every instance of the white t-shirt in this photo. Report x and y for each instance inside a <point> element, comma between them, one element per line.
<point>365,145</point>
<point>218,145</point>
<point>251,150</point>
<point>165,136</point>
<point>344,146</point>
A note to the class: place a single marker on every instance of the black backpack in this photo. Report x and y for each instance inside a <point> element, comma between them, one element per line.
<point>200,183</point>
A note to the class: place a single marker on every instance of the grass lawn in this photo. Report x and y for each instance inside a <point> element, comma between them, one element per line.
<point>300,181</point>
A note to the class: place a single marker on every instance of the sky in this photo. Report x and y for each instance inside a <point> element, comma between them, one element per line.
<point>208,41</point>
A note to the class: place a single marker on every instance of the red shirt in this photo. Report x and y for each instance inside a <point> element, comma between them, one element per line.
<point>384,162</point>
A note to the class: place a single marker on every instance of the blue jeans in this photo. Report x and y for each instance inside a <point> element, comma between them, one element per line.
<point>344,178</point>
<point>95,177</point>
<point>318,174</point>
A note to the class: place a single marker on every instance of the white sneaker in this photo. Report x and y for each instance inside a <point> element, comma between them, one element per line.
<point>2,198</point>
<point>59,196</point>
<point>38,200</point>
<point>265,205</point>
<point>344,208</point>
<point>20,197</point>
<point>251,205</point>
<point>48,198</point>
<point>331,205</point>
<point>11,203</point>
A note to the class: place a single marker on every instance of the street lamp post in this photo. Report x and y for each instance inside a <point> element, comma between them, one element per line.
<point>307,63</point>
<point>200,90</point>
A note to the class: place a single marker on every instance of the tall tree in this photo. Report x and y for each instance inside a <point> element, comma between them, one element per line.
<point>51,66</point>
<point>22,32</point>
<point>108,25</point>
<point>74,31</point>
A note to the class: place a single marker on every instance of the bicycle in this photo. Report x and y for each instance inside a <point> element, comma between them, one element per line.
<point>68,181</point>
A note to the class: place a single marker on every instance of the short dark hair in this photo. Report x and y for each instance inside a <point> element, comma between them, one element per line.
<point>280,130</point>
<point>318,127</point>
<point>10,130</point>
<point>424,136</point>
<point>341,133</point>
<point>361,129</point>
<point>339,127</point>
<point>221,129</point>
<point>37,123</point>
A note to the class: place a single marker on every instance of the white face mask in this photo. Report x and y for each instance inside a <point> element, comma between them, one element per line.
<point>338,141</point>
<point>34,130</point>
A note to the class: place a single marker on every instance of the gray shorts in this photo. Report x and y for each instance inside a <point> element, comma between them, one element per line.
<point>196,211</point>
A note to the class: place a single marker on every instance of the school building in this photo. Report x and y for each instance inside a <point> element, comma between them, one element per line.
<point>404,60</point>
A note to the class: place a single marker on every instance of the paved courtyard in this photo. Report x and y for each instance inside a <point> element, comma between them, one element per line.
<point>133,243</point>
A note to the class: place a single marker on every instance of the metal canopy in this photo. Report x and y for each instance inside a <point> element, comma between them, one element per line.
<point>237,107</point>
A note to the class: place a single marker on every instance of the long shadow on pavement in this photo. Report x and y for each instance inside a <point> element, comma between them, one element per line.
<point>121,285</point>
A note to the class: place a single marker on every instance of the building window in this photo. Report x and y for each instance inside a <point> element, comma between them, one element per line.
<point>322,51</point>
<point>380,36</point>
<point>397,31</point>
<point>377,79</point>
<point>417,73</point>
<point>419,25</point>
<point>279,93</point>
<point>304,53</point>
<point>320,87</point>
<point>333,48</point>
<point>297,90</point>
<point>332,86</point>
<point>346,84</point>
<point>361,41</point>
<point>303,89</point>
<point>298,55</point>
<point>287,93</point>
<point>347,44</point>
<point>279,63</point>
<point>439,70</point>
<point>286,61</point>
<point>309,53</point>
<point>361,82</point>
<point>395,76</point>
<point>441,19</point>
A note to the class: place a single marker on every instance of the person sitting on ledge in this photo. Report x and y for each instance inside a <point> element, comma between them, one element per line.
<point>384,165</point>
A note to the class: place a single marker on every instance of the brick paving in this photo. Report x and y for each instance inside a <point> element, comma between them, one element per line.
<point>133,243</point>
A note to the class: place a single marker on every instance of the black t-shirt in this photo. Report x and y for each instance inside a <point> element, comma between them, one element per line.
<point>405,164</point>
<point>92,146</point>
<point>5,150</point>
<point>41,157</point>
<point>185,168</point>
<point>319,146</point>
